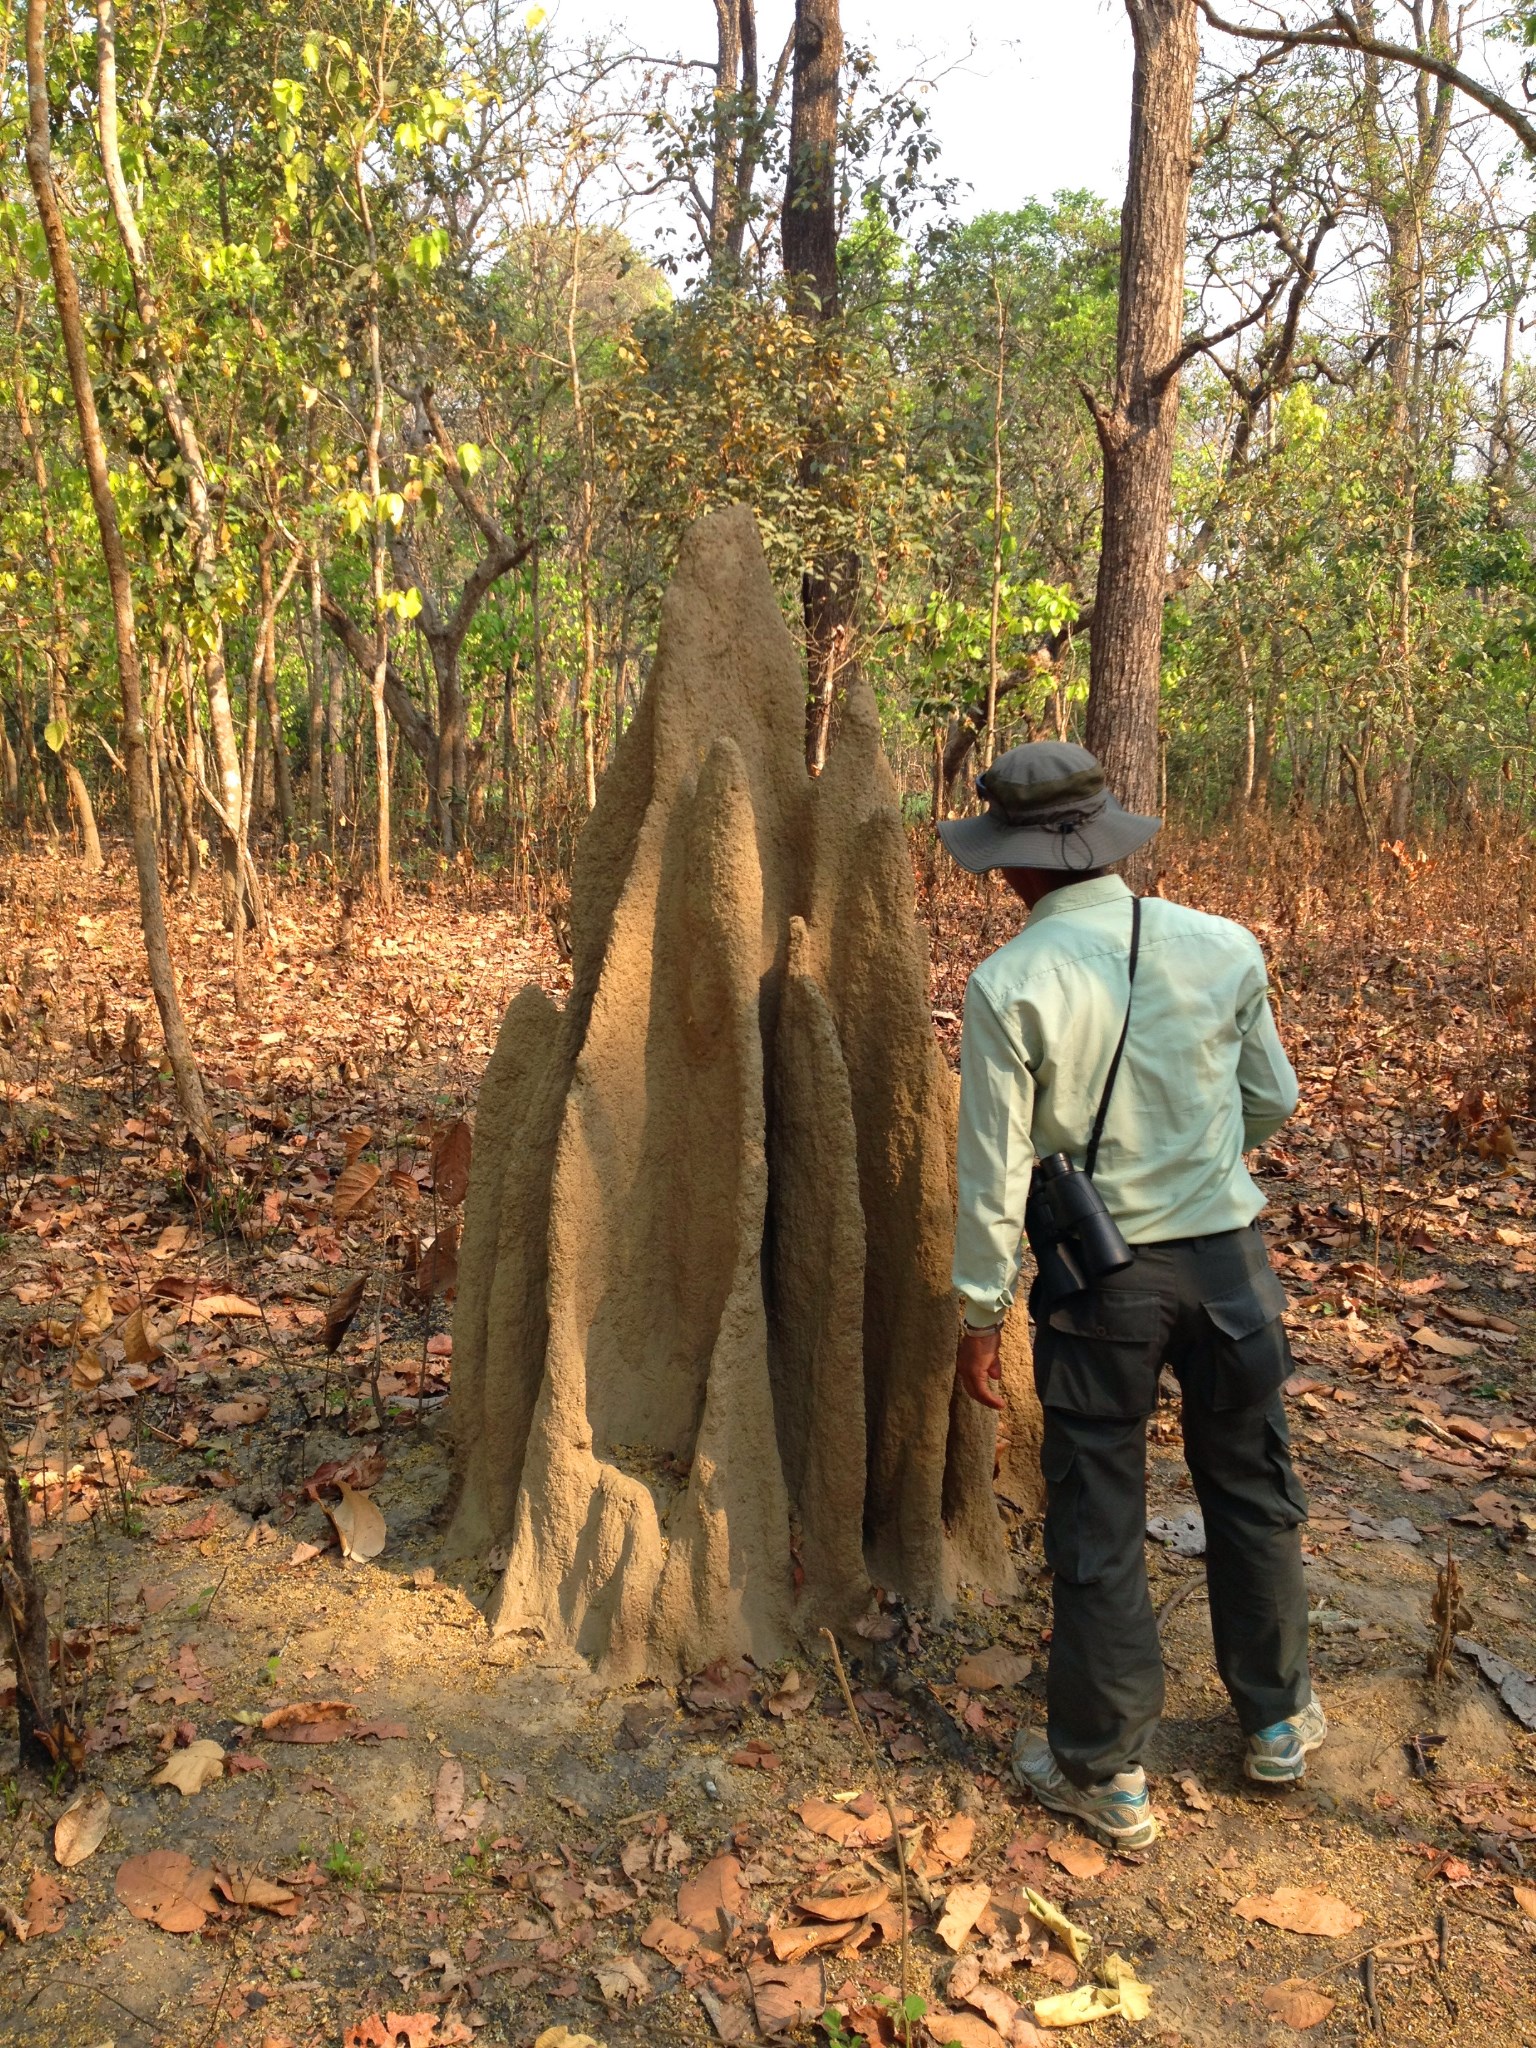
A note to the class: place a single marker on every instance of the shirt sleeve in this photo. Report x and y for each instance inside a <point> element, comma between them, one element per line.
<point>1265,1077</point>
<point>995,1158</point>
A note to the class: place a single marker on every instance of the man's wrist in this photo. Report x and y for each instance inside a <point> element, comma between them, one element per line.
<point>971,1329</point>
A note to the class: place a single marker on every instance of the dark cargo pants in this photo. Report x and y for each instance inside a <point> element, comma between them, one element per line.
<point>1209,1308</point>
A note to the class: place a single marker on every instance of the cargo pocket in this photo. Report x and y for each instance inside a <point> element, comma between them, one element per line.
<point>1250,1357</point>
<point>1098,1353</point>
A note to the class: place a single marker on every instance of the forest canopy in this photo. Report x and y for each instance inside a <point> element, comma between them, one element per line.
<point>419,332</point>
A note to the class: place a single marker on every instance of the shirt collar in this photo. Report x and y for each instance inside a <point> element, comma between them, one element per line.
<point>1079,896</point>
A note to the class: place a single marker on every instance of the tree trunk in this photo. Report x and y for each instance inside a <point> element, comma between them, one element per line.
<point>808,228</point>
<point>315,794</point>
<point>62,638</point>
<point>189,1086</point>
<point>179,423</point>
<point>450,712</point>
<point>336,745</point>
<point>10,771</point>
<point>27,1611</point>
<point>24,724</point>
<point>989,738</point>
<point>1136,433</point>
<point>281,772</point>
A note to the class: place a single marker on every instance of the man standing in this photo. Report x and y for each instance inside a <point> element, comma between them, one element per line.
<point>1198,1078</point>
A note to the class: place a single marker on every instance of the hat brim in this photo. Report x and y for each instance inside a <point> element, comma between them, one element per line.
<point>988,841</point>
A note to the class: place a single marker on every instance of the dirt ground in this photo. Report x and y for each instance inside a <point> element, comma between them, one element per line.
<point>488,1844</point>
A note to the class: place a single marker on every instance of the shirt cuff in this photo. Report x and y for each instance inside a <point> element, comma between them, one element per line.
<point>984,1315</point>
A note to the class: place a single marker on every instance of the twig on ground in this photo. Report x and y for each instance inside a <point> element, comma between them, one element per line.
<point>1195,1583</point>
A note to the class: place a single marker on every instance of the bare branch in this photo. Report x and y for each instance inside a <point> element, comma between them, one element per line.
<point>1342,33</point>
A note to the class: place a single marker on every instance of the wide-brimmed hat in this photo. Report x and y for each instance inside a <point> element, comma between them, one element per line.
<point>1047,807</point>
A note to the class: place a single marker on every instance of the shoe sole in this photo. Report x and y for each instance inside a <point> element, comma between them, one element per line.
<point>1254,1771</point>
<point>1141,1837</point>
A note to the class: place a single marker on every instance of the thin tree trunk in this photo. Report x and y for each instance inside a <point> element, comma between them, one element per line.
<point>336,744</point>
<point>189,1086</point>
<point>61,638</point>
<point>379,672</point>
<point>316,791</point>
<point>281,774</point>
<point>808,227</point>
<point>27,1612</point>
<point>1136,433</point>
<point>989,737</point>
<point>24,724</point>
<point>179,423</point>
<point>10,771</point>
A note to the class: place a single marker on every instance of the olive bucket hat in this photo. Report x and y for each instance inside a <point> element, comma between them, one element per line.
<point>1047,807</point>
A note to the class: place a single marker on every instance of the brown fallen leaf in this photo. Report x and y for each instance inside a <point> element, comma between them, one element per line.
<point>721,1684</point>
<point>358,1524</point>
<point>79,1829</point>
<point>848,1896</point>
<point>792,1697</point>
<point>951,1840</point>
<point>1001,2009</point>
<point>95,1316</point>
<point>669,1938</point>
<point>304,1713</point>
<point>43,1908</point>
<point>823,1818</point>
<point>964,1905</point>
<point>194,1531</point>
<point>451,1157</point>
<point>756,1755</point>
<point>1078,1859</point>
<point>1195,1796</point>
<point>1525,1899</point>
<point>1298,2004</point>
<point>190,1769</point>
<point>786,1994</point>
<point>942,2029</point>
<point>717,1889</point>
<point>246,1408</point>
<point>622,1981</point>
<point>343,1307</point>
<point>210,1307</point>
<point>354,1187</point>
<point>988,1669</point>
<point>167,1889</point>
<point>437,1270</point>
<point>731,2021</point>
<point>1300,1910</point>
<point>141,1340</point>
<point>86,1370</point>
<point>245,1888</point>
<point>448,1794</point>
<point>794,1944</point>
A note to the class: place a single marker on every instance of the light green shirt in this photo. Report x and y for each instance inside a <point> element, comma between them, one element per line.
<point>1203,1078</point>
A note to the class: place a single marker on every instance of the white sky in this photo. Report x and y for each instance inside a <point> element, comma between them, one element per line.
<point>1042,104</point>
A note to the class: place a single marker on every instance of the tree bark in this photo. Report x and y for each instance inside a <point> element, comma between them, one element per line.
<point>1136,433</point>
<point>162,976</point>
<point>315,794</point>
<point>281,770</point>
<point>808,230</point>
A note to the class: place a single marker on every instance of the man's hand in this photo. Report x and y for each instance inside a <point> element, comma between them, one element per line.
<point>979,1366</point>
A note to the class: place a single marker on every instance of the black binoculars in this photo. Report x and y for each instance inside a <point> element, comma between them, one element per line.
<point>1074,1238</point>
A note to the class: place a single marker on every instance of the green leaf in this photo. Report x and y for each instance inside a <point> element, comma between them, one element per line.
<point>56,732</point>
